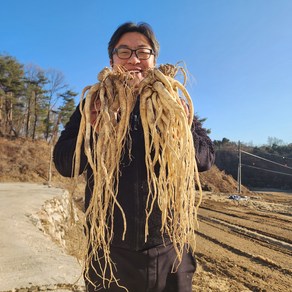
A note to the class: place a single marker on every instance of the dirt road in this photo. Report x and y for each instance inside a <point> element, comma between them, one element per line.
<point>28,258</point>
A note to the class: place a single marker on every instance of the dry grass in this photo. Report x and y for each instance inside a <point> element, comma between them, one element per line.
<point>24,160</point>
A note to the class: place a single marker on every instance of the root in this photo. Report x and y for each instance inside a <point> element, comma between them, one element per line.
<point>169,146</point>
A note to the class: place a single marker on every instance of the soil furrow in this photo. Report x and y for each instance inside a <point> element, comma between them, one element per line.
<point>283,243</point>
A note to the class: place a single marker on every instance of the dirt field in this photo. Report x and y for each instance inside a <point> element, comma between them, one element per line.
<point>245,245</point>
<point>242,245</point>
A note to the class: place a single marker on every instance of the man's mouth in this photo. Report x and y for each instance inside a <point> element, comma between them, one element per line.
<point>137,73</point>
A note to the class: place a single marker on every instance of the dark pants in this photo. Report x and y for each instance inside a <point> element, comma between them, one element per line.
<point>149,270</point>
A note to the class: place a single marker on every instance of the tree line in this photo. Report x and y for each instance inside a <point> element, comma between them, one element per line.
<point>33,102</point>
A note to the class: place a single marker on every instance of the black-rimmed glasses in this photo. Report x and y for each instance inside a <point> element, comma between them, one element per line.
<point>126,53</point>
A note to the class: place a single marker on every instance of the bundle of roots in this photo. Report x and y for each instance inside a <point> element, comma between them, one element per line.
<point>169,146</point>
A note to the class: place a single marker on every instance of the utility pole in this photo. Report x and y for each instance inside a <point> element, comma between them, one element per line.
<point>239,169</point>
<point>52,142</point>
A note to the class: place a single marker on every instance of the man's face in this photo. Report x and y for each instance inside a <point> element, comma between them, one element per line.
<point>138,66</point>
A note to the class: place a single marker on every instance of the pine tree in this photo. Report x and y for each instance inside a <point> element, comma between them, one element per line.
<point>11,90</point>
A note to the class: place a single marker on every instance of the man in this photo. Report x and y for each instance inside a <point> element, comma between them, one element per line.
<point>140,265</point>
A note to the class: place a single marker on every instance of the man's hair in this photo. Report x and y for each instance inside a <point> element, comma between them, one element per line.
<point>141,27</point>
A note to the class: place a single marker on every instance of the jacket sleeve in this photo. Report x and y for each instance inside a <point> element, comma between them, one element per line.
<point>64,150</point>
<point>205,154</point>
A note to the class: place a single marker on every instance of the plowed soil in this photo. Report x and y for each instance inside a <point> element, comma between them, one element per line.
<point>245,245</point>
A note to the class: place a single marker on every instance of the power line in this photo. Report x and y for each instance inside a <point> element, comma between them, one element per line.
<point>277,155</point>
<point>276,163</point>
<point>263,152</point>
<point>255,167</point>
<point>278,172</point>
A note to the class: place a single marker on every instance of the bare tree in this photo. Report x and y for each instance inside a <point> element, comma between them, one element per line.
<point>36,99</point>
<point>56,84</point>
<point>274,141</point>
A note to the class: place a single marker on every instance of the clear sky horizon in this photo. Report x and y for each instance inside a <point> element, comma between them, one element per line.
<point>238,53</point>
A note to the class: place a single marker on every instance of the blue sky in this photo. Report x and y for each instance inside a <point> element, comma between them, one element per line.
<point>238,52</point>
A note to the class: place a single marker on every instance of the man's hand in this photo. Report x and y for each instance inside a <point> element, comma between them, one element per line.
<point>185,107</point>
<point>94,112</point>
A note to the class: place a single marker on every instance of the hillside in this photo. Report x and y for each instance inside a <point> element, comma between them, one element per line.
<point>23,160</point>
<point>261,167</point>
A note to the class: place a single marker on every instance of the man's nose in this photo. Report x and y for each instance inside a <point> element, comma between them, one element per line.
<point>133,59</point>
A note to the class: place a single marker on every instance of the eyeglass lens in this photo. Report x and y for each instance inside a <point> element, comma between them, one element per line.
<point>126,53</point>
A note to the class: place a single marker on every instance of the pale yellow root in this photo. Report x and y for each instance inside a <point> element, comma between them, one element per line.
<point>169,146</point>
<point>175,184</point>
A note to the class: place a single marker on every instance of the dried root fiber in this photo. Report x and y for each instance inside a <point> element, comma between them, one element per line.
<point>168,144</point>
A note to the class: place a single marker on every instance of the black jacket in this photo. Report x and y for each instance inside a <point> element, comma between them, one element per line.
<point>133,188</point>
